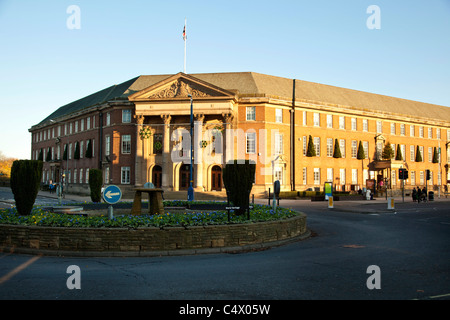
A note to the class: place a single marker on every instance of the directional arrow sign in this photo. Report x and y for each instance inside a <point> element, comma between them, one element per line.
<point>112,194</point>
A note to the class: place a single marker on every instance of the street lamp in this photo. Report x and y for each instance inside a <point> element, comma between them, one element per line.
<point>191,188</point>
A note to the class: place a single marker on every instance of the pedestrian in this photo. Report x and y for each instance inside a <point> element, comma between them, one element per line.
<point>424,194</point>
<point>414,194</point>
<point>419,195</point>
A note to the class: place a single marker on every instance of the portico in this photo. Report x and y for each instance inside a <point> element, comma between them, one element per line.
<point>163,141</point>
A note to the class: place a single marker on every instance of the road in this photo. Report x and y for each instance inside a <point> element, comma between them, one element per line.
<point>410,247</point>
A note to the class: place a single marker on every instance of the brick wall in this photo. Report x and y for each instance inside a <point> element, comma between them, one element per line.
<point>145,241</point>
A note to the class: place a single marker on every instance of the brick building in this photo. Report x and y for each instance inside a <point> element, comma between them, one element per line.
<point>137,132</point>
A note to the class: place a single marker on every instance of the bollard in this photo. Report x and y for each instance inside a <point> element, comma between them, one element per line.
<point>110,212</point>
<point>391,205</point>
<point>330,202</point>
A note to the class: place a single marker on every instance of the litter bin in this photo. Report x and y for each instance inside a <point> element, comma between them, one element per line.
<point>430,195</point>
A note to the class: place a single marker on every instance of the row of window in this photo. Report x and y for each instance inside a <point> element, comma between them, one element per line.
<point>54,153</point>
<point>355,178</point>
<point>395,129</point>
<point>77,126</point>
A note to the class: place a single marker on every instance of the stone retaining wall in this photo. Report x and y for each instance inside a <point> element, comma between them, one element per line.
<point>149,241</point>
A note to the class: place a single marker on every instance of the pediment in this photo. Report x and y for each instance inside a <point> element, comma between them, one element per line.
<point>179,87</point>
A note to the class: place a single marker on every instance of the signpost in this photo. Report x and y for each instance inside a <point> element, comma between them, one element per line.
<point>112,194</point>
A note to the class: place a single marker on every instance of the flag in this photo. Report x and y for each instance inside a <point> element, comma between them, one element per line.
<point>184,33</point>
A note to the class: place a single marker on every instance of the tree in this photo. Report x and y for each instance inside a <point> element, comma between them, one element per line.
<point>65,153</point>
<point>95,184</point>
<point>49,155</point>
<point>435,156</point>
<point>399,155</point>
<point>41,155</point>
<point>311,151</point>
<point>238,178</point>
<point>26,176</point>
<point>88,153</point>
<point>337,150</point>
<point>388,153</point>
<point>361,155</point>
<point>418,155</point>
<point>76,155</point>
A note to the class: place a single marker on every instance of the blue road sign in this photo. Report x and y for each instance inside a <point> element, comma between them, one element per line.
<point>112,194</point>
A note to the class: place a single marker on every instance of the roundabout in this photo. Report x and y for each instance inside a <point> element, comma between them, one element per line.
<point>172,233</point>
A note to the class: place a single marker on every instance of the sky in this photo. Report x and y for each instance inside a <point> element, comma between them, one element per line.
<point>50,55</point>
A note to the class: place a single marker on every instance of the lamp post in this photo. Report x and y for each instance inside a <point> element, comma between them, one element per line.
<point>191,188</point>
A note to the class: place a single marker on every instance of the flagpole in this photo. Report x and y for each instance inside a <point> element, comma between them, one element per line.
<point>185,45</point>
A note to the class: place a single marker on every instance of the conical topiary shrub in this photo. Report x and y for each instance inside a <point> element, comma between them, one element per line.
<point>26,176</point>
<point>238,178</point>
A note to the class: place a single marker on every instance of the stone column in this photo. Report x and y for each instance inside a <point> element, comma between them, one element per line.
<point>198,152</point>
<point>228,137</point>
<point>138,181</point>
<point>166,165</point>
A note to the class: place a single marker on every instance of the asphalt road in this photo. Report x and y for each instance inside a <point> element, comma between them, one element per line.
<point>410,248</point>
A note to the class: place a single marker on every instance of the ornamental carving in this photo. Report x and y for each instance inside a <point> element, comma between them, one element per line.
<point>179,89</point>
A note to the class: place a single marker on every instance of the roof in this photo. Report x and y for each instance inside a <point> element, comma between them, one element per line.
<point>251,83</point>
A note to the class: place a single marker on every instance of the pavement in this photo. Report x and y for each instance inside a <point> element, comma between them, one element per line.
<point>376,206</point>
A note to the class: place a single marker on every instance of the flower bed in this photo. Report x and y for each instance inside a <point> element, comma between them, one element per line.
<point>176,218</point>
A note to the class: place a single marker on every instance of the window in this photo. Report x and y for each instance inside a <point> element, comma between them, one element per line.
<point>316,117</point>
<point>354,176</point>
<point>430,133</point>
<point>278,172</point>
<point>353,124</point>
<point>88,123</point>
<point>393,177</point>
<point>278,143</point>
<point>329,147</point>
<point>304,175</point>
<point>402,129</point>
<point>107,175</point>
<point>75,175</point>
<point>341,122</point>
<point>251,142</point>
<point>108,118</point>
<point>81,149</point>
<point>304,118</point>
<point>279,115</point>
<point>413,178</point>
<point>126,144</point>
<point>411,130</point>
<point>76,126</point>
<point>87,175</point>
<point>81,175</point>
<point>317,176</point>
<point>126,115</point>
<point>107,145</point>
<point>366,149</point>
<point>342,176</point>
<point>379,126</point>
<point>158,143</point>
<point>70,151</point>
<point>412,154</point>
<point>82,125</point>
<point>421,178</point>
<point>365,125</point>
<point>403,148</point>
<point>430,154</point>
<point>392,128</point>
<point>329,121</point>
<point>438,133</point>
<point>317,146</point>
<point>421,132</point>
<point>330,174</point>
<point>354,148</point>
<point>305,145</point>
<point>251,113</point>
<point>342,147</point>
<point>70,128</point>
<point>125,175</point>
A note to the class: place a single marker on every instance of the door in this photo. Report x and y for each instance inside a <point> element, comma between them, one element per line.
<point>184,177</point>
<point>216,178</point>
<point>157,176</point>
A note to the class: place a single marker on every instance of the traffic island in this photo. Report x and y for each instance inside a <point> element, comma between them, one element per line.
<point>151,241</point>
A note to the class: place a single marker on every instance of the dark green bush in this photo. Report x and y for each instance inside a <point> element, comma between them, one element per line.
<point>238,178</point>
<point>26,176</point>
<point>95,184</point>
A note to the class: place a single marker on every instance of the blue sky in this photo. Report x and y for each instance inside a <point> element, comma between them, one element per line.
<point>44,64</point>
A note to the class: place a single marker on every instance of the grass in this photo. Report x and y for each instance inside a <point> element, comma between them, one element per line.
<point>40,217</point>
